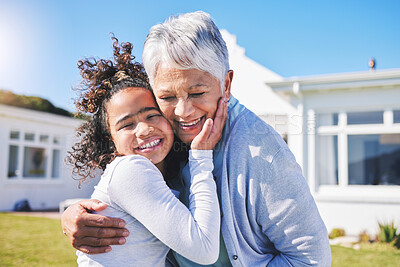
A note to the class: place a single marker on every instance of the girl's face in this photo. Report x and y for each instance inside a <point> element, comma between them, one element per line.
<point>137,126</point>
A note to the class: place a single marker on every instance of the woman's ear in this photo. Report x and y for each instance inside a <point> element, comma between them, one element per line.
<point>227,85</point>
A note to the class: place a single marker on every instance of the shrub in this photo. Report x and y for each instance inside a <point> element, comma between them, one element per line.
<point>336,232</point>
<point>364,237</point>
<point>388,234</point>
<point>31,102</point>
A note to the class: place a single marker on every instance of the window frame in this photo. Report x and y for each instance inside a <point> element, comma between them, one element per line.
<point>342,130</point>
<point>48,147</point>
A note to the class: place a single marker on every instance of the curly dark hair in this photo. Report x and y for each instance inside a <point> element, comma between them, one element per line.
<point>101,80</point>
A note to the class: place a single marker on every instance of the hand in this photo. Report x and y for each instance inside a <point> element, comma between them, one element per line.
<point>92,233</point>
<point>212,131</point>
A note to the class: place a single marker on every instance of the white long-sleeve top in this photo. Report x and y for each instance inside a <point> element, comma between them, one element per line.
<point>135,190</point>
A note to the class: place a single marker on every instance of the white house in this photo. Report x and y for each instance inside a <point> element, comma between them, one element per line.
<point>344,130</point>
<point>250,88</point>
<point>346,135</point>
<point>32,151</point>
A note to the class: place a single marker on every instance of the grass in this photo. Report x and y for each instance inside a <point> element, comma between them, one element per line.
<point>32,241</point>
<point>370,255</point>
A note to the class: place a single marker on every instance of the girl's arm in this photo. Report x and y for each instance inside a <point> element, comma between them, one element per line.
<point>192,232</point>
<point>138,187</point>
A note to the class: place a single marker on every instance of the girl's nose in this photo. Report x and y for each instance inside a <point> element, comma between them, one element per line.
<point>143,129</point>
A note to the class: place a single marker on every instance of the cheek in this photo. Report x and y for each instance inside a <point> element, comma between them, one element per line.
<point>167,111</point>
<point>124,142</point>
<point>118,146</point>
<point>209,104</point>
<point>210,108</point>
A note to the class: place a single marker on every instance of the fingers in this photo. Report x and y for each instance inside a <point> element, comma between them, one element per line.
<point>94,245</point>
<point>92,204</point>
<point>205,132</point>
<point>219,120</point>
<point>219,114</point>
<point>103,232</point>
<point>79,225</point>
<point>94,250</point>
<point>211,132</point>
<point>201,141</point>
<point>97,220</point>
<point>103,242</point>
<point>98,237</point>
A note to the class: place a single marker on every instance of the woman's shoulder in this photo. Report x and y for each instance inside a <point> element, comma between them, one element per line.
<point>250,133</point>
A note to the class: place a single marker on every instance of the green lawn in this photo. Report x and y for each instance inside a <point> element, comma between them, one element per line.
<point>370,255</point>
<point>31,241</point>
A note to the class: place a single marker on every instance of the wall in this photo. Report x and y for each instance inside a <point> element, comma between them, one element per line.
<point>354,208</point>
<point>41,193</point>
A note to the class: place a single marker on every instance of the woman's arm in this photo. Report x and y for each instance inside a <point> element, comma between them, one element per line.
<point>139,188</point>
<point>92,233</point>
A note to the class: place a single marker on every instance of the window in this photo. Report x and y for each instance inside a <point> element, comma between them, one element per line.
<point>14,135</point>
<point>44,138</point>
<point>373,117</point>
<point>29,137</point>
<point>33,157</point>
<point>396,116</point>
<point>34,162</point>
<point>55,170</point>
<point>328,119</point>
<point>374,159</point>
<point>357,148</point>
<point>13,162</point>
<point>328,160</point>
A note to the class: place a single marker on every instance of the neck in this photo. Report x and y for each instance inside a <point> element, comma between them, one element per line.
<point>161,167</point>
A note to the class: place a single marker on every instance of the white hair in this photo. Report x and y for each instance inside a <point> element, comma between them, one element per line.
<point>187,41</point>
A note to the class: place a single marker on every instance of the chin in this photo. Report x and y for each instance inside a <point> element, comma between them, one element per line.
<point>187,138</point>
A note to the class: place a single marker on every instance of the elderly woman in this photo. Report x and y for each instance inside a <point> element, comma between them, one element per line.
<point>268,214</point>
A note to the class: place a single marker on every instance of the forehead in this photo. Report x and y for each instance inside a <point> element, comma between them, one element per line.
<point>167,77</point>
<point>131,99</point>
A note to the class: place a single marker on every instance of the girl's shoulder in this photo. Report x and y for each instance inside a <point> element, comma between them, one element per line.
<point>130,164</point>
<point>130,160</point>
<point>129,170</point>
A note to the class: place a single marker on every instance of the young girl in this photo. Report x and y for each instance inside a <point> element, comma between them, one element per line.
<point>131,141</point>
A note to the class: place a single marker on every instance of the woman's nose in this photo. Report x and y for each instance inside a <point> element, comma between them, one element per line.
<point>184,108</point>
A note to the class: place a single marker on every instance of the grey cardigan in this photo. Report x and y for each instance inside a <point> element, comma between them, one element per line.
<point>269,217</point>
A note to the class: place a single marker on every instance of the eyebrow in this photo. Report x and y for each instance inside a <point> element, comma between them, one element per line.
<point>167,91</point>
<point>130,115</point>
<point>197,85</point>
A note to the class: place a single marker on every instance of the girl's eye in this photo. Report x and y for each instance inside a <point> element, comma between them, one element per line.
<point>153,117</point>
<point>128,125</point>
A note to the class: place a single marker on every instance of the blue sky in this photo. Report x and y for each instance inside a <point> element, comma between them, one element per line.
<point>41,41</point>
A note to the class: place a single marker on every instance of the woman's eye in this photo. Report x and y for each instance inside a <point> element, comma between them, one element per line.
<point>196,94</point>
<point>167,98</point>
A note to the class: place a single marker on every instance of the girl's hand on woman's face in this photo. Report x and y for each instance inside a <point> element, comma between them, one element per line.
<point>212,131</point>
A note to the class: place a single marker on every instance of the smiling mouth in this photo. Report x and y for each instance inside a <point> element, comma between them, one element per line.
<point>149,145</point>
<point>189,125</point>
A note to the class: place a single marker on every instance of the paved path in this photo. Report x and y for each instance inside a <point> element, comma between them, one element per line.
<point>46,214</point>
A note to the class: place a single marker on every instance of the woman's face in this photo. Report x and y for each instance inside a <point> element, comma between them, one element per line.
<point>188,97</point>
<point>137,126</point>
